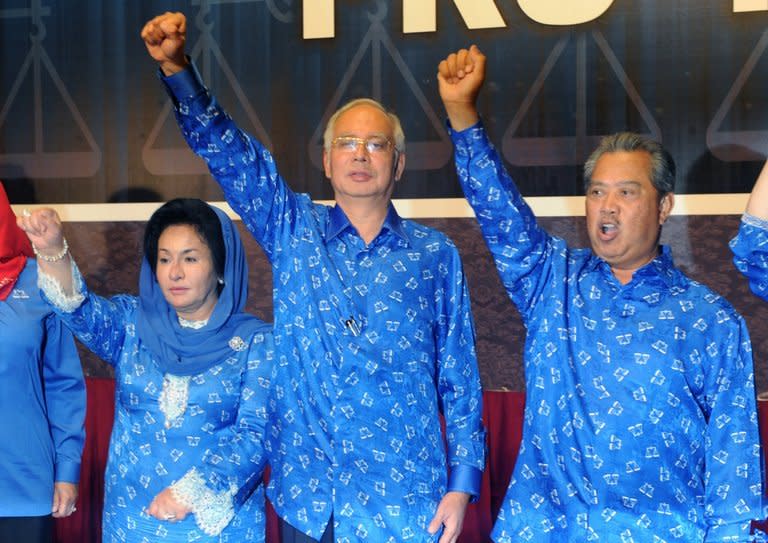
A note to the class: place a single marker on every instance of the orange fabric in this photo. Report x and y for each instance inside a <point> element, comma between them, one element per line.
<point>14,247</point>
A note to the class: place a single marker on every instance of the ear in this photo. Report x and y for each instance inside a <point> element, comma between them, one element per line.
<point>327,163</point>
<point>399,166</point>
<point>665,207</point>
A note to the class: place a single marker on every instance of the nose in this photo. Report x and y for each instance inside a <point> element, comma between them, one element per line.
<point>609,204</point>
<point>361,151</point>
<point>175,271</point>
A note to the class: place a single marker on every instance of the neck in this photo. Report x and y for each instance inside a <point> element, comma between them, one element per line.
<point>624,275</point>
<point>202,313</point>
<point>365,215</point>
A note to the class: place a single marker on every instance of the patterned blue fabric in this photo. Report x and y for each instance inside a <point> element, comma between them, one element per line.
<point>42,398</point>
<point>640,419</point>
<point>372,341</point>
<point>750,253</point>
<point>219,434</point>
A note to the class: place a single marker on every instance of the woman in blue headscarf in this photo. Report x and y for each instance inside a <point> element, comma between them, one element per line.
<point>191,372</point>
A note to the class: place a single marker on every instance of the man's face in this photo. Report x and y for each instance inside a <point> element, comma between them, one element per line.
<point>356,172</point>
<point>624,215</point>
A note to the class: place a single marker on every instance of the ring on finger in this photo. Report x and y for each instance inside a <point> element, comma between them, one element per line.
<point>170,516</point>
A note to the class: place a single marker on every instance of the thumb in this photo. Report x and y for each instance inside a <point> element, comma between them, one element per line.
<point>477,60</point>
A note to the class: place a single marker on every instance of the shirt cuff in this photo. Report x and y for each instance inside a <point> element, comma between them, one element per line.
<point>67,472</point>
<point>53,292</point>
<point>465,479</point>
<point>469,141</point>
<point>184,84</point>
<point>732,531</point>
<point>213,511</point>
<point>757,222</point>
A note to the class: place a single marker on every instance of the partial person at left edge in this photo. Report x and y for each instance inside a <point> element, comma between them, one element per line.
<point>42,398</point>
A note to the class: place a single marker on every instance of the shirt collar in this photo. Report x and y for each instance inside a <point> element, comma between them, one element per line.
<point>661,268</point>
<point>338,222</point>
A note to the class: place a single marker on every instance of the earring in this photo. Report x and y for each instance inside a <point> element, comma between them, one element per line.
<point>220,281</point>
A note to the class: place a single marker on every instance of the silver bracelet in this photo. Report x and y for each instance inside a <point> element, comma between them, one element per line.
<point>54,258</point>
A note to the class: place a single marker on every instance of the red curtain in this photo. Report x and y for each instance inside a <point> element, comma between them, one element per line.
<point>84,526</point>
<point>503,418</point>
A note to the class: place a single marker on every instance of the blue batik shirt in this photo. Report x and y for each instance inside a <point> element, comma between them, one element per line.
<point>373,342</point>
<point>750,253</point>
<point>200,435</point>
<point>640,420</point>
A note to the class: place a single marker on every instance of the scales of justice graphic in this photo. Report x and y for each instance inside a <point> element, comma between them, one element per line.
<point>422,155</point>
<point>39,162</point>
<point>733,145</point>
<point>572,149</point>
<point>180,160</point>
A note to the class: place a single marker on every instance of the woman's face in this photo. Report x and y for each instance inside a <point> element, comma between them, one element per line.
<point>185,272</point>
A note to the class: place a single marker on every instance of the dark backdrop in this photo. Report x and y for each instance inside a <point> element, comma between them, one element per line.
<point>84,118</point>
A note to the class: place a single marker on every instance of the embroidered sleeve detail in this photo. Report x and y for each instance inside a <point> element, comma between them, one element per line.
<point>55,293</point>
<point>212,511</point>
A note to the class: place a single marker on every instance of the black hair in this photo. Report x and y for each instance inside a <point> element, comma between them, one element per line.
<point>192,212</point>
<point>662,172</point>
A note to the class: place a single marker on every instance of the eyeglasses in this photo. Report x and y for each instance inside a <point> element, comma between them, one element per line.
<point>374,144</point>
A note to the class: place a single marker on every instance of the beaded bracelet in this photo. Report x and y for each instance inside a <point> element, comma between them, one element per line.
<point>53,258</point>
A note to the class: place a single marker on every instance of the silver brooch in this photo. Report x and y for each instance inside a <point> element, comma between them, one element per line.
<point>237,344</point>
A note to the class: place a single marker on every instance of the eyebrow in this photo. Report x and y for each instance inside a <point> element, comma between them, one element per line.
<point>184,251</point>
<point>619,183</point>
<point>373,134</point>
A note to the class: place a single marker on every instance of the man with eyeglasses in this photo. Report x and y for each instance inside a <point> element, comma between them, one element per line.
<point>373,328</point>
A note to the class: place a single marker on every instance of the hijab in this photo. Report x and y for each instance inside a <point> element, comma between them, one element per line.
<point>188,351</point>
<point>15,247</point>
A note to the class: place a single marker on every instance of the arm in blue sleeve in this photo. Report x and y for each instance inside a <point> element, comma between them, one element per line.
<point>750,253</point>
<point>221,483</point>
<point>518,245</point>
<point>245,170</point>
<point>99,323</point>
<point>64,399</point>
<point>459,385</point>
<point>734,474</point>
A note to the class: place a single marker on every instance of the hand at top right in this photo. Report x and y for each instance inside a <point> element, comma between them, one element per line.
<point>460,77</point>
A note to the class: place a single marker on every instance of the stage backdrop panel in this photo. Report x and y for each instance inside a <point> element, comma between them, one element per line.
<point>83,117</point>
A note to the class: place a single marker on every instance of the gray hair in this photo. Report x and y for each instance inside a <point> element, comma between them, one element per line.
<point>397,128</point>
<point>662,164</point>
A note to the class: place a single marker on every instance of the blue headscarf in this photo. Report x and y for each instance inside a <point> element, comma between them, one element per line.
<point>187,351</point>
